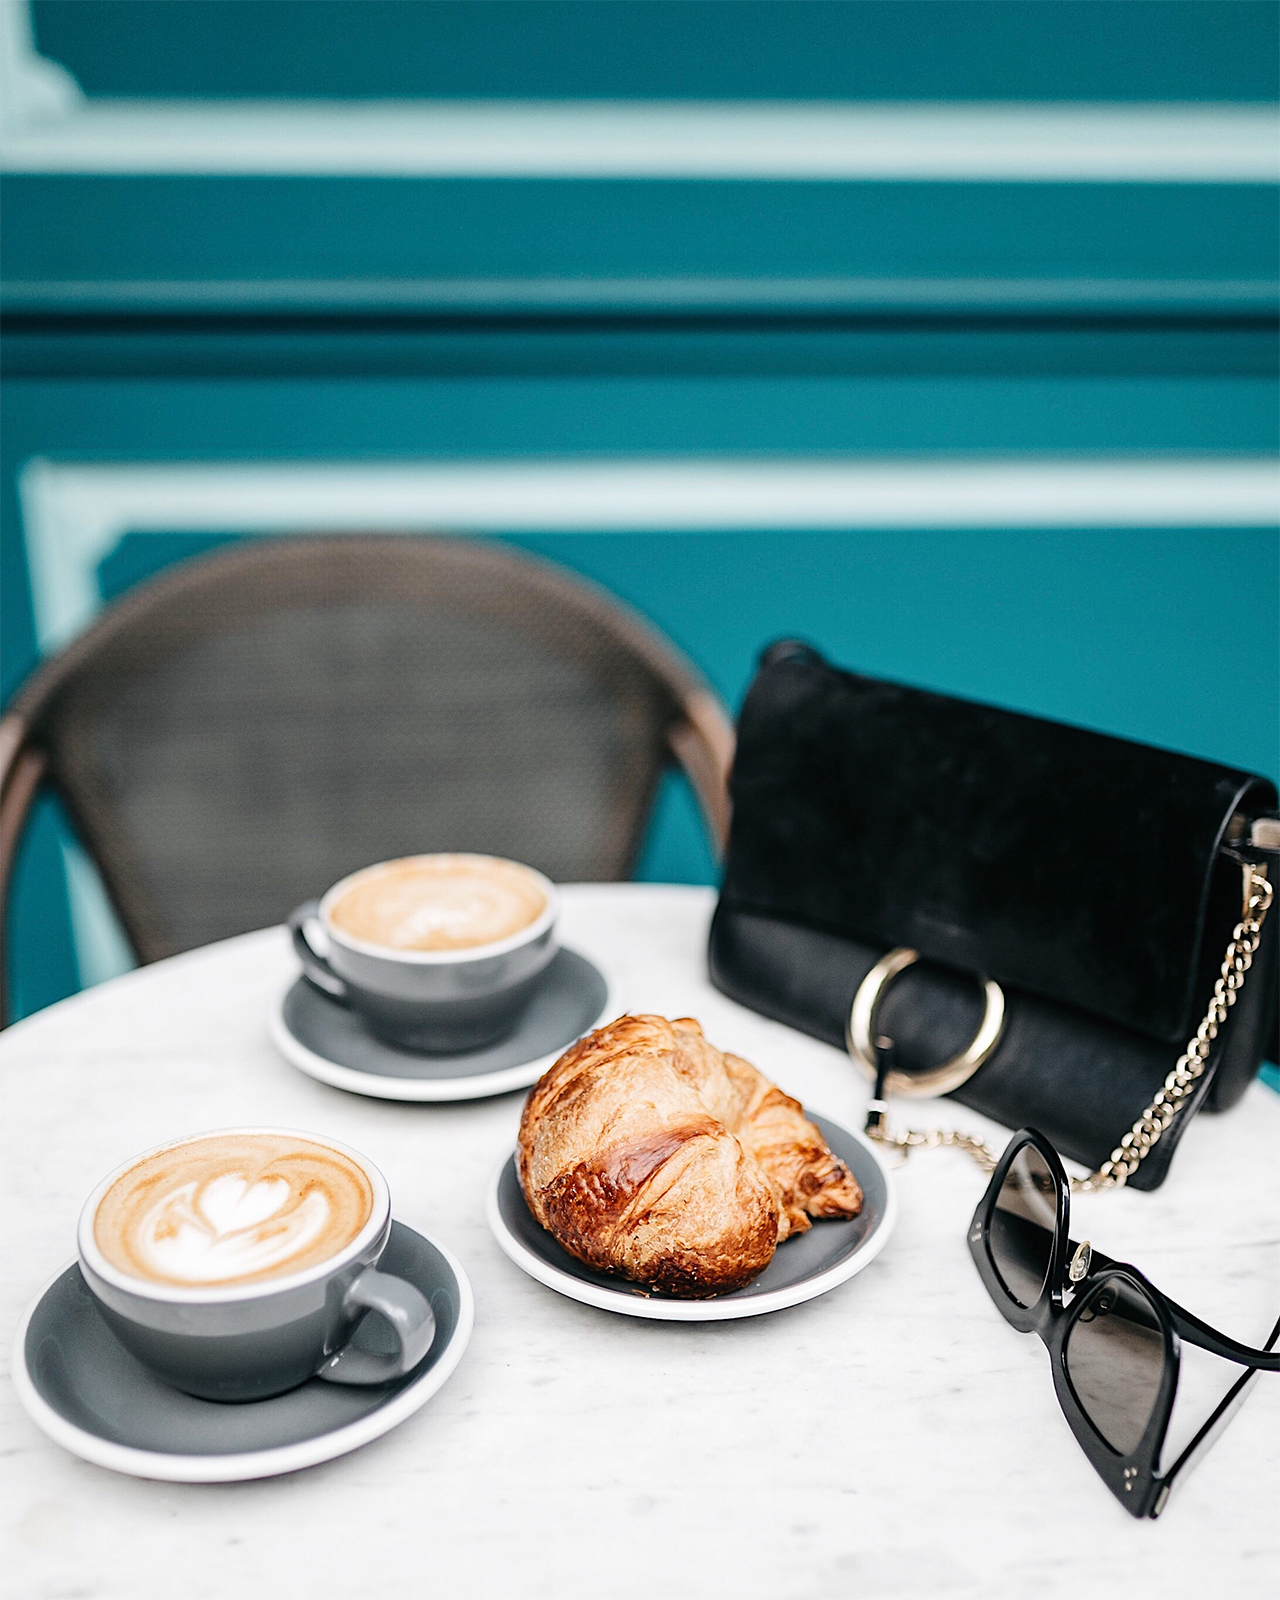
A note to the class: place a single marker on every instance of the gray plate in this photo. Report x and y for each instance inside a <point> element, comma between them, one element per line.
<point>84,1388</point>
<point>328,1041</point>
<point>832,1250</point>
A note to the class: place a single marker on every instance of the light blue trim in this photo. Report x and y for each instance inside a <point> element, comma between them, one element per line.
<point>74,513</point>
<point>924,141</point>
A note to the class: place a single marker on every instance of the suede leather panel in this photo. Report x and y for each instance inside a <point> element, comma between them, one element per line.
<point>1073,867</point>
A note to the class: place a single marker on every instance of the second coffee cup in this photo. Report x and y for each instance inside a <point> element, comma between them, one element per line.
<point>438,953</point>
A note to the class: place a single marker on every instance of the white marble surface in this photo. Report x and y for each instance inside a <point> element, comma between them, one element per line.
<point>894,1438</point>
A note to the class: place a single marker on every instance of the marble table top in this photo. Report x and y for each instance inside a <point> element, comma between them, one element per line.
<point>893,1438</point>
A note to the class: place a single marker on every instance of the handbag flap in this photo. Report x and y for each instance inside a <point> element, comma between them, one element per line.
<point>1068,863</point>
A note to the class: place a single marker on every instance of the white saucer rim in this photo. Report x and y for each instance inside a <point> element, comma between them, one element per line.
<point>375,1086</point>
<point>629,1304</point>
<point>247,1464</point>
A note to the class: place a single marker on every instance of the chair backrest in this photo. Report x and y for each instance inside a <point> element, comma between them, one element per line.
<point>238,734</point>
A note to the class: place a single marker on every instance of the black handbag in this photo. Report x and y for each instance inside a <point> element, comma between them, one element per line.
<point>1035,915</point>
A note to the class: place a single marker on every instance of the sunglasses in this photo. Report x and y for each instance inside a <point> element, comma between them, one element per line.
<point>1112,1337</point>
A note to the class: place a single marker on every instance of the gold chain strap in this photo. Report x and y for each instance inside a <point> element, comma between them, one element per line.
<point>909,1139</point>
<point>1147,1131</point>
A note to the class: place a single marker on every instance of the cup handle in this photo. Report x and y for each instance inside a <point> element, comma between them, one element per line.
<point>411,1319</point>
<point>304,926</point>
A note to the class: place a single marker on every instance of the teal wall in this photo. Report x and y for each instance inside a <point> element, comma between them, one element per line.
<point>796,49</point>
<point>169,318</point>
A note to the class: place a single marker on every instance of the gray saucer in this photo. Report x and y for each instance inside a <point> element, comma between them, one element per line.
<point>327,1040</point>
<point>804,1267</point>
<point>83,1388</point>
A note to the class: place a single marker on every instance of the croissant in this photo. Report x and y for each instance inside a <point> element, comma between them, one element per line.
<point>648,1152</point>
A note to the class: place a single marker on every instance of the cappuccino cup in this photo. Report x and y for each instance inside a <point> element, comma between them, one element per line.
<point>237,1264</point>
<point>437,953</point>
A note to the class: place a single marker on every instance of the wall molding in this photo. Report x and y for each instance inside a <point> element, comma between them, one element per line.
<point>49,126</point>
<point>74,513</point>
<point>32,88</point>
<point>958,142</point>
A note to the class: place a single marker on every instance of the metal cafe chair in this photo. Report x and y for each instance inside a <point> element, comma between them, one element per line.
<point>237,734</point>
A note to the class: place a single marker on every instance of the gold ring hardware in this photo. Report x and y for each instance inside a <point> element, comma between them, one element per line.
<point>938,1080</point>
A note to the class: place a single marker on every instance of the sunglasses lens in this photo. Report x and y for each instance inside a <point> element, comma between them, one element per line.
<point>1115,1359</point>
<point>1023,1224</point>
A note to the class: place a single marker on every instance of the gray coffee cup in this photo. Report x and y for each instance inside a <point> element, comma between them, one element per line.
<point>250,1341</point>
<point>432,1001</point>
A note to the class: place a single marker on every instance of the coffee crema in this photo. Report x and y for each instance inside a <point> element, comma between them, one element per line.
<point>231,1208</point>
<point>439,902</point>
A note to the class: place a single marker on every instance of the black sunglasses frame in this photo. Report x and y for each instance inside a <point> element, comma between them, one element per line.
<point>1133,1477</point>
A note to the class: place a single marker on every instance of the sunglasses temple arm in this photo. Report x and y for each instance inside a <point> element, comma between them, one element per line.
<point>1218,1420</point>
<point>1199,1333</point>
<point>1206,1338</point>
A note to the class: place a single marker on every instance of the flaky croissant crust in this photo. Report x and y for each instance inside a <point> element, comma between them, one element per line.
<point>648,1152</point>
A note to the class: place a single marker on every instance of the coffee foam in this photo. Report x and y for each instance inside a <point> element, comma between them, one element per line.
<point>231,1208</point>
<point>439,902</point>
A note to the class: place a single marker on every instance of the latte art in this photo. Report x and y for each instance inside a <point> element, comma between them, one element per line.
<point>231,1208</point>
<point>439,902</point>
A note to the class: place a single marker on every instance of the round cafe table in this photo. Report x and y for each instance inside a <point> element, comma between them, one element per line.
<point>892,1438</point>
